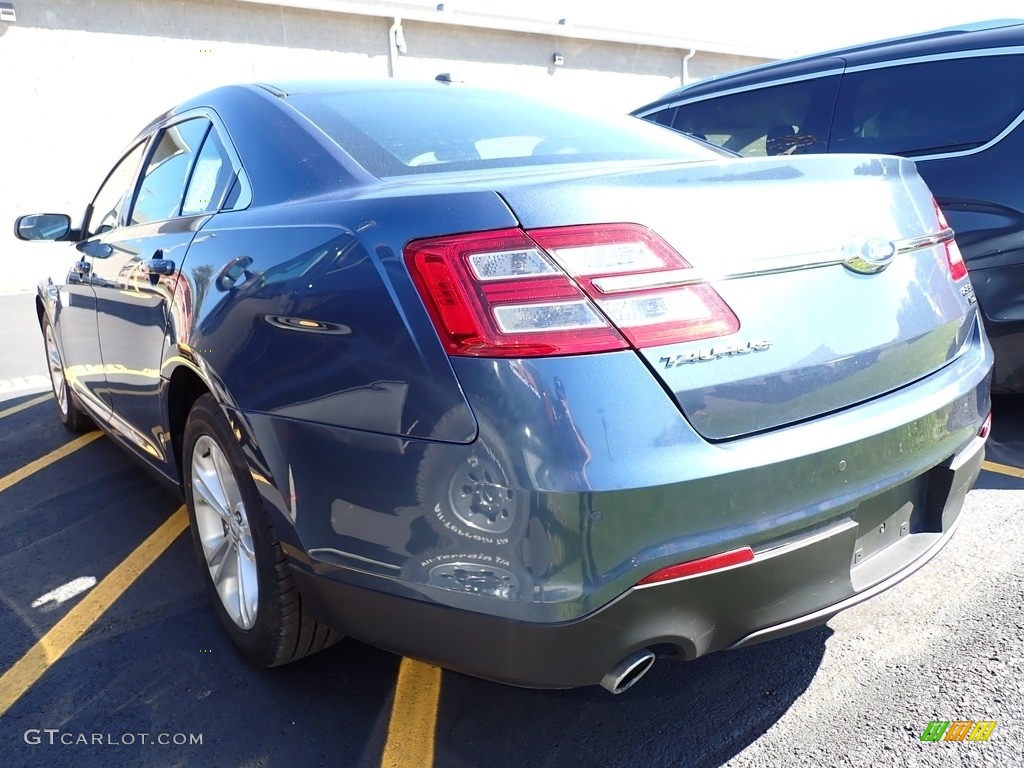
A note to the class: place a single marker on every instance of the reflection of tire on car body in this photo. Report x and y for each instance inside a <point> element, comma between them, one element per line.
<point>469,493</point>
<point>487,574</point>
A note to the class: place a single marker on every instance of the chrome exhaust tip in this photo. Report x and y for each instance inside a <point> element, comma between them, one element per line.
<point>623,675</point>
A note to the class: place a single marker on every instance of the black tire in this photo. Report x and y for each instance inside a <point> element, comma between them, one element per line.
<point>466,492</point>
<point>69,410</point>
<point>277,629</point>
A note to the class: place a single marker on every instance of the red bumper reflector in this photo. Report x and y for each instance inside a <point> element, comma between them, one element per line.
<point>986,427</point>
<point>702,565</point>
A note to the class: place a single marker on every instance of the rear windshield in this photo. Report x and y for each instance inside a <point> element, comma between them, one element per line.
<point>396,132</point>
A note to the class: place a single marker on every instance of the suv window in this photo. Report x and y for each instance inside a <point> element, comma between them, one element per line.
<point>778,120</point>
<point>116,189</point>
<point>934,106</point>
<point>170,162</point>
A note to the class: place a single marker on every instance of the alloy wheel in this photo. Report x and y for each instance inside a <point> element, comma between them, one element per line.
<point>60,390</point>
<point>223,526</point>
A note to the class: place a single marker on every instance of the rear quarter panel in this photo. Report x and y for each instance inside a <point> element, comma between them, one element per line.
<point>306,311</point>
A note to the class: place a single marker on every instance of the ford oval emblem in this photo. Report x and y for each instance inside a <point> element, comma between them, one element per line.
<point>869,255</point>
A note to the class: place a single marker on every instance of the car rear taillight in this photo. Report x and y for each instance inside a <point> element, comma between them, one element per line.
<point>564,290</point>
<point>496,294</point>
<point>955,259</point>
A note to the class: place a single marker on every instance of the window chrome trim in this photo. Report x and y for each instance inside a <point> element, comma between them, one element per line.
<point>743,89</point>
<point>966,152</point>
<point>973,53</point>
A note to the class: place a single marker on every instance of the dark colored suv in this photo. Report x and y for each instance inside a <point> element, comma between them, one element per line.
<point>953,100</point>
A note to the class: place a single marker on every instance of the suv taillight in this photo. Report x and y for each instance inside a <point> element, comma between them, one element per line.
<point>564,290</point>
<point>955,259</point>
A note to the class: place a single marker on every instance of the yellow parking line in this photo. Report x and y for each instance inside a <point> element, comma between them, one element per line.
<point>1002,469</point>
<point>32,467</point>
<point>410,741</point>
<point>55,643</point>
<point>26,405</point>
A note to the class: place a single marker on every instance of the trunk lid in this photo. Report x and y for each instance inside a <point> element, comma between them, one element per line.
<point>778,240</point>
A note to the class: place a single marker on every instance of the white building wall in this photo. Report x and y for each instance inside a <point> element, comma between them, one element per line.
<point>80,78</point>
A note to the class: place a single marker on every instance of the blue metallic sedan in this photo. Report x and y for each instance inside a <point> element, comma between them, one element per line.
<point>529,394</point>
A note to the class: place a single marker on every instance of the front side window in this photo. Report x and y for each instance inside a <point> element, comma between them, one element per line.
<point>170,163</point>
<point>114,194</point>
<point>776,120</point>
<point>930,107</point>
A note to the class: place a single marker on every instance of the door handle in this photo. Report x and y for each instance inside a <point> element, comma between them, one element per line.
<point>158,265</point>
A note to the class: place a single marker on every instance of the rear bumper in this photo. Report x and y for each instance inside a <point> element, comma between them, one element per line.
<point>784,589</point>
<point>947,487</point>
<point>599,497</point>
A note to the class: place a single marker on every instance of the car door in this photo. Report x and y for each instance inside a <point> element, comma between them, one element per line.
<point>75,321</point>
<point>135,276</point>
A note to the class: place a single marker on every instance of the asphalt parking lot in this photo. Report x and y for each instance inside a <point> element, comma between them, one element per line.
<point>111,656</point>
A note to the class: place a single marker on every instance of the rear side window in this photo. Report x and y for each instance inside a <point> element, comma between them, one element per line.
<point>210,178</point>
<point>777,120</point>
<point>170,163</point>
<point>930,107</point>
<point>397,132</point>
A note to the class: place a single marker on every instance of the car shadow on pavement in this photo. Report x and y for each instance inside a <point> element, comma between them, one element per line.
<point>157,666</point>
<point>680,714</point>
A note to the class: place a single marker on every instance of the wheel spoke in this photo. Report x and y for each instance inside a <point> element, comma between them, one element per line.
<point>248,589</point>
<point>56,371</point>
<point>206,479</point>
<point>223,526</point>
<point>226,478</point>
<point>245,543</point>
<point>216,555</point>
<point>209,493</point>
<point>225,579</point>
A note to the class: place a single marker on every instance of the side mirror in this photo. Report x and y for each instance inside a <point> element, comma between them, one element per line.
<point>42,226</point>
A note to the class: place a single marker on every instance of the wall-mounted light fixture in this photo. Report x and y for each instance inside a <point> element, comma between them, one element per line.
<point>398,35</point>
<point>557,59</point>
<point>7,13</point>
